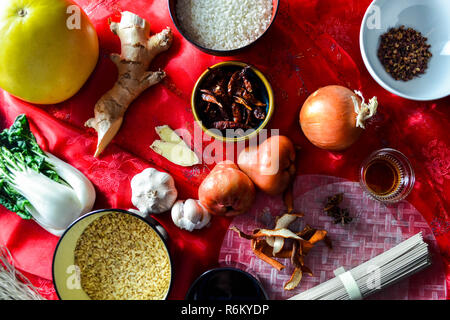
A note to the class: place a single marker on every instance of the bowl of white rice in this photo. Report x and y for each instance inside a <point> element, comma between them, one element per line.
<point>223,27</point>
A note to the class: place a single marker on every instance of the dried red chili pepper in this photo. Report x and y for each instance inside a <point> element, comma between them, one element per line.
<point>229,100</point>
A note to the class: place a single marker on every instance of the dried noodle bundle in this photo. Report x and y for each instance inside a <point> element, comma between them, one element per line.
<point>14,285</point>
<point>404,260</point>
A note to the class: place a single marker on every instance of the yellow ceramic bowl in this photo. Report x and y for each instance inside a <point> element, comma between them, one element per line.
<point>65,277</point>
<point>267,93</point>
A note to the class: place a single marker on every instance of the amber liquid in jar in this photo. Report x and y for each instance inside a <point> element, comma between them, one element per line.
<point>387,176</point>
<point>382,176</point>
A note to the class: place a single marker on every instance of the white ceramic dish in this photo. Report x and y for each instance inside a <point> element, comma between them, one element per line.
<point>432,19</point>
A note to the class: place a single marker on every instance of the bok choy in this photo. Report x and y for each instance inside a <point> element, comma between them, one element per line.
<point>37,185</point>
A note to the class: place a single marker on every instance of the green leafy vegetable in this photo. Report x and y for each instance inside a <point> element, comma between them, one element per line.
<point>20,152</point>
<point>38,185</point>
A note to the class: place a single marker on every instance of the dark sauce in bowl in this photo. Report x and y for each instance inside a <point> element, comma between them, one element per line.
<point>226,284</point>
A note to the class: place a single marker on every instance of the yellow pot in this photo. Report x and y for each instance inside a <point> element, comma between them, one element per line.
<point>268,93</point>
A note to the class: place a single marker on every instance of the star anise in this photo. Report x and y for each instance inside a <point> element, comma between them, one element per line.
<point>333,210</point>
<point>334,201</point>
<point>343,217</point>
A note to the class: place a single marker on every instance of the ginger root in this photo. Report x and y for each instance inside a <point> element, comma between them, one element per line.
<point>173,148</point>
<point>138,50</point>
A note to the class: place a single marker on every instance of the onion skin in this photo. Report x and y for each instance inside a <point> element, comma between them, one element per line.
<point>227,191</point>
<point>271,165</point>
<point>328,118</point>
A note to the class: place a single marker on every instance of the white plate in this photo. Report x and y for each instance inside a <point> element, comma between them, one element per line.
<point>432,19</point>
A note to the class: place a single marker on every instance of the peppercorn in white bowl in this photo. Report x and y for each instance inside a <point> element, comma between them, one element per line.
<point>418,76</point>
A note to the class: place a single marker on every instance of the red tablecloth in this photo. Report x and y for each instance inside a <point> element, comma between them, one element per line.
<point>312,43</point>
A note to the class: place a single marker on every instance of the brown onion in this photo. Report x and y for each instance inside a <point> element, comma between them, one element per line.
<point>332,118</point>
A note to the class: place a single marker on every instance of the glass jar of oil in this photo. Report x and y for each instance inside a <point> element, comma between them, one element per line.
<point>387,175</point>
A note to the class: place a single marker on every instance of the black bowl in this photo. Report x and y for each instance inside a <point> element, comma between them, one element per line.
<point>226,284</point>
<point>173,15</point>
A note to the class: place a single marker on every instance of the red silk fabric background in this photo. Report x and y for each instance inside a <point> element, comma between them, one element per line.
<point>312,43</point>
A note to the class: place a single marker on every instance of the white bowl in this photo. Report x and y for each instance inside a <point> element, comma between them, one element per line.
<point>432,19</point>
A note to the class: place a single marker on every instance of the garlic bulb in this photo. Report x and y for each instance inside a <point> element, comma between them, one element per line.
<point>190,215</point>
<point>137,212</point>
<point>153,191</point>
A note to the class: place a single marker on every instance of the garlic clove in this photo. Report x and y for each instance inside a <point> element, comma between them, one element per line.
<point>177,210</point>
<point>178,217</point>
<point>206,216</point>
<point>190,215</point>
<point>192,212</point>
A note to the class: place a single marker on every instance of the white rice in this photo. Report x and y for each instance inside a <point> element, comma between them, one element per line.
<point>224,24</point>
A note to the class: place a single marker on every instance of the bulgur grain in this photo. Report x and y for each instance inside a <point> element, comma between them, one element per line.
<point>122,258</point>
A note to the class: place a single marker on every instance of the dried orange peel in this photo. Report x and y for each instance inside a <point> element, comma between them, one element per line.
<point>278,233</point>
<point>288,198</point>
<point>258,251</point>
<point>282,222</point>
<point>295,279</point>
<point>263,242</point>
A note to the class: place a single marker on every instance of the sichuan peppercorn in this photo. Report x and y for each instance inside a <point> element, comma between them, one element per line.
<point>404,53</point>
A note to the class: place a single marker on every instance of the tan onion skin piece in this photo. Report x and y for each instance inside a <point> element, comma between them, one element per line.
<point>329,133</point>
<point>258,161</point>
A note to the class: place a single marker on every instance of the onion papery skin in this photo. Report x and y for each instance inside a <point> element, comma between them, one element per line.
<point>328,118</point>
